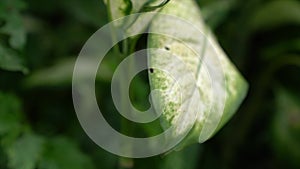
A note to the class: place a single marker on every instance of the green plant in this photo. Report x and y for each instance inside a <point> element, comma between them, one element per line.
<point>39,41</point>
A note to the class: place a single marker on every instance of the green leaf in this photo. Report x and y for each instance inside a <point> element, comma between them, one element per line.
<point>287,12</point>
<point>25,152</point>
<point>15,29</point>
<point>281,48</point>
<point>61,74</point>
<point>14,25</point>
<point>286,126</point>
<point>10,60</point>
<point>216,12</point>
<point>62,153</point>
<point>235,88</point>
<point>187,158</point>
<point>10,114</point>
<point>90,12</point>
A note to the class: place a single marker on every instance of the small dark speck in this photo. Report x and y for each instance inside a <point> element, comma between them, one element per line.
<point>151,70</point>
<point>167,48</point>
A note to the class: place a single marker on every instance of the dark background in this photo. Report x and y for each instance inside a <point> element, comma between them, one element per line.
<point>40,40</point>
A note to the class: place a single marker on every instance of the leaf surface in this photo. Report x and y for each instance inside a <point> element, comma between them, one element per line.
<point>11,61</point>
<point>25,152</point>
<point>202,56</point>
<point>62,153</point>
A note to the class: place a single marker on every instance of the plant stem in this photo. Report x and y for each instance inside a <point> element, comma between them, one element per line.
<point>116,48</point>
<point>126,163</point>
<point>126,127</point>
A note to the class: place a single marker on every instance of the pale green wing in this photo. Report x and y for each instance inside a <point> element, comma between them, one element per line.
<point>203,56</point>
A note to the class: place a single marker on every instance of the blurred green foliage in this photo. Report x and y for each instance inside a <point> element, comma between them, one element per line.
<point>39,41</point>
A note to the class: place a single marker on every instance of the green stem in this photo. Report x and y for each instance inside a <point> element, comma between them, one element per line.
<point>126,127</point>
<point>126,163</point>
<point>128,46</point>
<point>116,48</point>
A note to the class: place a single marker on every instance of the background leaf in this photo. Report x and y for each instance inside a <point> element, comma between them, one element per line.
<point>61,153</point>
<point>287,12</point>
<point>25,152</point>
<point>14,25</point>
<point>287,126</point>
<point>10,114</point>
<point>10,60</point>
